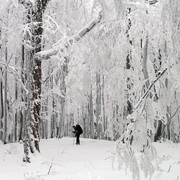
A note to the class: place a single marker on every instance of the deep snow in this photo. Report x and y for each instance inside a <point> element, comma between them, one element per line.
<point>61,159</point>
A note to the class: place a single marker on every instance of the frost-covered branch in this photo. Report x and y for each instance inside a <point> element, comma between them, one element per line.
<point>13,71</point>
<point>149,88</point>
<point>136,3</point>
<point>174,114</point>
<point>131,116</point>
<point>125,151</point>
<point>66,42</point>
<point>26,3</point>
<point>30,3</point>
<point>170,119</point>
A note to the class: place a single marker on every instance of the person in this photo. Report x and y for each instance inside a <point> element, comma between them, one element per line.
<point>77,130</point>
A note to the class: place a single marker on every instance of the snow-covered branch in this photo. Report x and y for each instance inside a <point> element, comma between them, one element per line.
<point>30,3</point>
<point>149,88</point>
<point>66,42</point>
<point>124,146</point>
<point>132,117</point>
<point>169,120</point>
<point>150,2</point>
<point>26,3</point>
<point>13,71</point>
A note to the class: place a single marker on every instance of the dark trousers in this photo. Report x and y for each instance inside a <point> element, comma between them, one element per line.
<point>77,139</point>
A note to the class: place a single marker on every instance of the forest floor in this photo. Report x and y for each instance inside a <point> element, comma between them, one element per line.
<point>61,159</point>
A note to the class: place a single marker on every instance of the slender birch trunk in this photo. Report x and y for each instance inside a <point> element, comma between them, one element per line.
<point>145,58</point>
<point>103,107</point>
<point>64,72</point>
<point>129,106</point>
<point>98,104</point>
<point>23,95</point>
<point>5,99</point>
<point>1,106</point>
<point>91,115</point>
<point>1,98</point>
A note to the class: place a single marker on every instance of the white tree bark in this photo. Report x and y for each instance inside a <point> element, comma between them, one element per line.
<point>145,58</point>
<point>1,95</point>
<point>5,100</point>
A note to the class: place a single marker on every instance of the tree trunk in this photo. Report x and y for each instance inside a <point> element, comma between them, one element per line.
<point>33,68</point>
<point>64,71</point>
<point>21,126</point>
<point>103,108</point>
<point>91,116</point>
<point>5,100</point>
<point>98,104</point>
<point>1,105</point>
<point>1,97</point>
<point>23,95</point>
<point>145,58</point>
<point>16,116</point>
<point>129,106</point>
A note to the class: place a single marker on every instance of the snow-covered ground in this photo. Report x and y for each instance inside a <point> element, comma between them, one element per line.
<point>60,159</point>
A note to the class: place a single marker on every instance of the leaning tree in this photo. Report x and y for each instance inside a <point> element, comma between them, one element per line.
<point>32,42</point>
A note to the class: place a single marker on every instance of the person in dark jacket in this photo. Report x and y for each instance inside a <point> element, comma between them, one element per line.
<point>77,130</point>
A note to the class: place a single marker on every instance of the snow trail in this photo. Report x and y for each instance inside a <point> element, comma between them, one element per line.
<point>90,168</point>
<point>60,159</point>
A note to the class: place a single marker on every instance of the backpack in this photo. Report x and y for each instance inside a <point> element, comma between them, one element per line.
<point>79,129</point>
